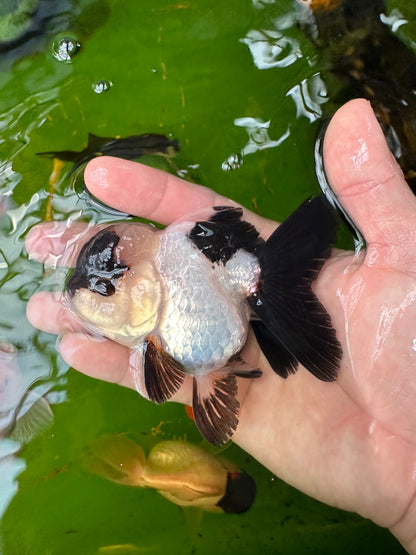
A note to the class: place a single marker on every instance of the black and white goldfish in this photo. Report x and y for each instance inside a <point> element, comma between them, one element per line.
<point>183,299</point>
<point>183,473</point>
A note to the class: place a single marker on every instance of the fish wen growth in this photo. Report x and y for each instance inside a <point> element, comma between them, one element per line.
<point>183,299</point>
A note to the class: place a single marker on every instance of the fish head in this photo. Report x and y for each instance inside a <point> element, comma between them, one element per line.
<point>115,288</point>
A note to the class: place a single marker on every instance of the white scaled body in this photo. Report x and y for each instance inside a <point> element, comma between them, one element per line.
<point>205,315</point>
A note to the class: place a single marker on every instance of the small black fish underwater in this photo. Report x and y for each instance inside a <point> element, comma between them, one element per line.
<point>183,299</point>
<point>129,148</point>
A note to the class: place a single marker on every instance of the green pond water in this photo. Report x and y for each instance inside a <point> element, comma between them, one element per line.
<point>191,70</point>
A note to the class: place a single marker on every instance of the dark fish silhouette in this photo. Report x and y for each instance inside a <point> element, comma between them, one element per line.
<point>129,148</point>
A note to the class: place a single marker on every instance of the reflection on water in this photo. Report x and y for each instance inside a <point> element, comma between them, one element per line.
<point>270,48</point>
<point>258,134</point>
<point>308,96</point>
<point>394,19</point>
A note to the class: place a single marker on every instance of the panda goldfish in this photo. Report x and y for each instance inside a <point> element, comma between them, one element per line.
<point>183,299</point>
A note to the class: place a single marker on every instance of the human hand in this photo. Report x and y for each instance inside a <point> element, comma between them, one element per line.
<point>351,443</point>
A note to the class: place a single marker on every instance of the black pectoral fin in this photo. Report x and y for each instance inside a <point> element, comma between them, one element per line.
<point>215,406</point>
<point>163,375</point>
<point>290,261</point>
<point>279,358</point>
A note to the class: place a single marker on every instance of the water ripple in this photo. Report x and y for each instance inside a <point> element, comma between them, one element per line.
<point>270,48</point>
<point>308,97</point>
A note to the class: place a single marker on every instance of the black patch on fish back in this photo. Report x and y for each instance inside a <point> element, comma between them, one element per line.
<point>239,494</point>
<point>290,261</point>
<point>224,233</point>
<point>163,375</point>
<point>97,268</point>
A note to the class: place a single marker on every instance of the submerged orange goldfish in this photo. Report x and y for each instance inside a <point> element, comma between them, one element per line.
<point>183,473</point>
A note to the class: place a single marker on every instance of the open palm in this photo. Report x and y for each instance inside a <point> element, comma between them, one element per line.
<point>351,443</point>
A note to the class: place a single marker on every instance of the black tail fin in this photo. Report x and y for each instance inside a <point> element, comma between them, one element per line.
<point>298,326</point>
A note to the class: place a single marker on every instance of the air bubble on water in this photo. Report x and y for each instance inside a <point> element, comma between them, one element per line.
<point>101,86</point>
<point>65,48</point>
<point>260,136</point>
<point>258,132</point>
<point>233,162</point>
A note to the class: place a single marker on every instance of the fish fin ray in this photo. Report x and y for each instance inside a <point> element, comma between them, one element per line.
<point>279,358</point>
<point>162,376</point>
<point>290,261</point>
<point>215,406</point>
<point>35,420</point>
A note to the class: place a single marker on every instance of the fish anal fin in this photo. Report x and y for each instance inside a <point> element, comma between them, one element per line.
<point>163,375</point>
<point>282,362</point>
<point>215,406</point>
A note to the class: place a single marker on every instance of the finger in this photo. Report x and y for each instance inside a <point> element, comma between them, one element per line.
<point>97,357</point>
<point>48,312</point>
<point>57,243</point>
<point>367,179</point>
<point>109,361</point>
<point>152,194</point>
<point>149,193</point>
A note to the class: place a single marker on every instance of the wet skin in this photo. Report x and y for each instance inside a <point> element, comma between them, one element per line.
<point>351,443</point>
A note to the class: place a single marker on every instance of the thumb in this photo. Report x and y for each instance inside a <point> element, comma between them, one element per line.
<point>367,180</point>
